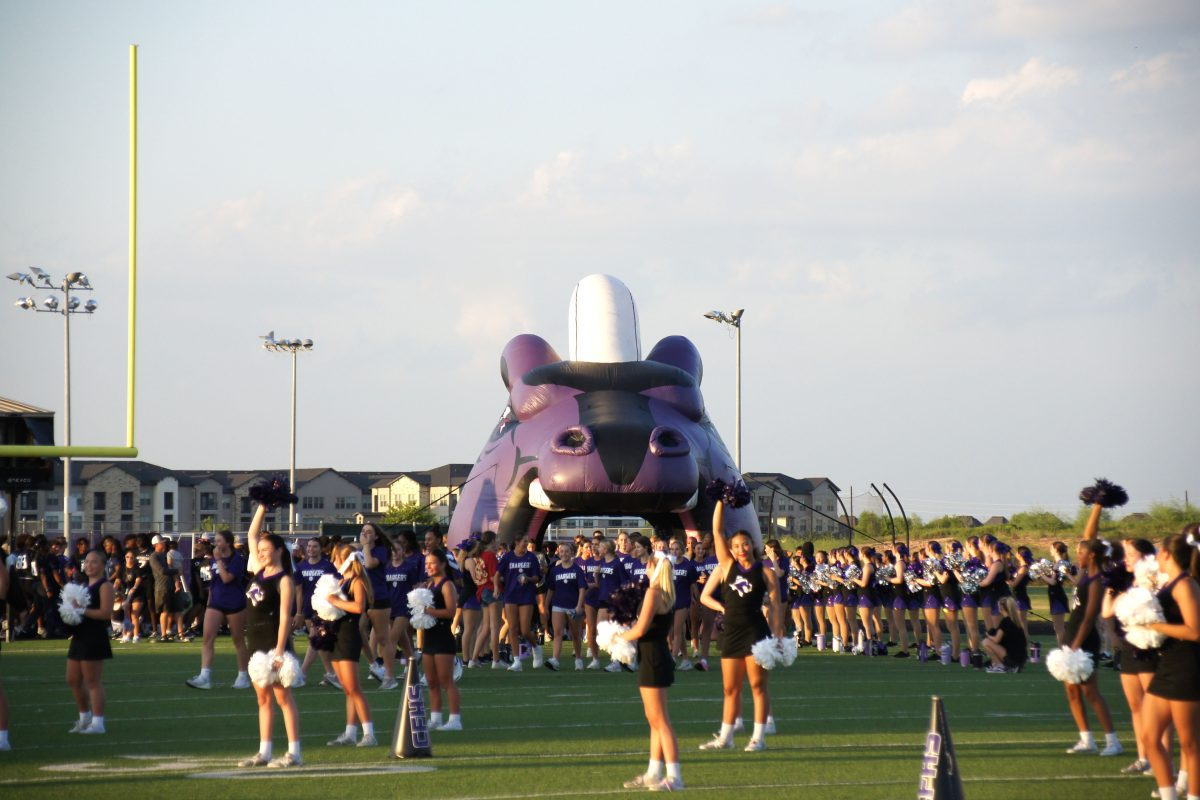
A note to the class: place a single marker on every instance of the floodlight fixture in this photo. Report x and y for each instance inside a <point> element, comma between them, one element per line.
<point>40,273</point>
<point>25,302</point>
<point>734,320</point>
<point>292,346</point>
<point>73,303</point>
<point>90,306</point>
<point>51,303</point>
<point>22,277</point>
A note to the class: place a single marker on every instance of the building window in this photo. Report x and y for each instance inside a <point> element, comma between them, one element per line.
<point>168,522</point>
<point>345,502</point>
<point>244,505</point>
<point>29,501</point>
<point>208,501</point>
<point>52,503</point>
<point>98,521</point>
<point>312,502</point>
<point>99,502</point>
<point>168,501</point>
<point>127,501</point>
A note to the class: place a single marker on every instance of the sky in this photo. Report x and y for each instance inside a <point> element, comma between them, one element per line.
<point>964,234</point>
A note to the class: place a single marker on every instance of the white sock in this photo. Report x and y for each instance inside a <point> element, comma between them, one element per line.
<point>1110,739</point>
<point>368,729</point>
<point>673,772</point>
<point>96,722</point>
<point>3,737</point>
<point>759,731</point>
<point>454,718</point>
<point>205,673</point>
<point>1166,793</point>
<point>264,749</point>
<point>1086,738</point>
<point>243,674</point>
<point>654,770</point>
<point>85,717</point>
<point>726,734</point>
<point>294,749</point>
<point>352,731</point>
<point>435,718</point>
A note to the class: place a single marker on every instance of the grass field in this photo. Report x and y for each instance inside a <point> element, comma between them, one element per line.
<point>849,727</point>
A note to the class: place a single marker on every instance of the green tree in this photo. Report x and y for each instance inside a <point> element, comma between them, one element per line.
<point>409,513</point>
<point>1037,519</point>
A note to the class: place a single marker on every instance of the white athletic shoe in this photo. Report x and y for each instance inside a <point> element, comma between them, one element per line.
<point>579,665</point>
<point>367,741</point>
<point>498,664</point>
<point>613,666</point>
<point>472,664</point>
<point>300,681</point>
<point>717,743</point>
<point>685,665</point>
<point>538,658</point>
<point>345,740</point>
<point>458,669</point>
<point>594,664</point>
<point>391,683</point>
<point>94,728</point>
<point>1112,750</point>
<point>769,727</point>
<point>377,671</point>
<point>1081,747</point>
<point>551,664</point>
<point>331,679</point>
<point>199,682</point>
<point>242,682</point>
<point>79,726</point>
<point>284,761</point>
<point>754,745</point>
<point>455,725</point>
<point>640,782</point>
<point>255,760</point>
<point>514,666</point>
<point>738,724</point>
<point>666,785</point>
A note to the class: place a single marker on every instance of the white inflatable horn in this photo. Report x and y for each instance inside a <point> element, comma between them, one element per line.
<point>602,322</point>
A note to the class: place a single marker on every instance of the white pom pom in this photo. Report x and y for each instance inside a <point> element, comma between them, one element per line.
<point>608,637</point>
<point>765,653</point>
<point>787,651</point>
<point>1146,574</point>
<point>289,670</point>
<point>419,600</point>
<point>327,585</point>
<point>422,621</point>
<point>1069,666</point>
<point>624,651</point>
<point>1144,638</point>
<point>262,671</point>
<point>72,603</point>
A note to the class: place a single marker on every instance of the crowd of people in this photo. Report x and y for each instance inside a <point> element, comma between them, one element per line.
<point>945,602</point>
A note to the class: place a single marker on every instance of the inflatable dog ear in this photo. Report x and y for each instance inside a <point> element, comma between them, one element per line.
<point>523,353</point>
<point>679,351</point>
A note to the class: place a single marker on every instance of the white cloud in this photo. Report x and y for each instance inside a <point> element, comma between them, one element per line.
<point>1149,74</point>
<point>1035,77</point>
<point>550,175</point>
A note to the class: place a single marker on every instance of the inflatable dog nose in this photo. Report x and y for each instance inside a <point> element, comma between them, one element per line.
<point>574,441</point>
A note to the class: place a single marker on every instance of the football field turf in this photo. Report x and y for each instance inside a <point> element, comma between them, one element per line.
<point>848,727</point>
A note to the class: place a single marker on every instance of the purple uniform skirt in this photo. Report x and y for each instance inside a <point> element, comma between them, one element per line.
<point>915,602</point>
<point>900,601</point>
<point>950,604</point>
<point>865,601</point>
<point>836,599</point>
<point>932,601</point>
<point>969,601</point>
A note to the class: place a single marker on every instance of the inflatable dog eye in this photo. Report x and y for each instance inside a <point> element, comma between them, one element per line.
<point>603,432</point>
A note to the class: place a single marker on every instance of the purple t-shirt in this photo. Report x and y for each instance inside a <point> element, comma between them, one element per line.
<point>401,579</point>
<point>565,583</point>
<point>685,575</point>
<point>638,571</point>
<point>230,597</point>
<point>377,575</point>
<point>511,568</point>
<point>706,568</point>
<point>307,574</point>
<point>609,577</point>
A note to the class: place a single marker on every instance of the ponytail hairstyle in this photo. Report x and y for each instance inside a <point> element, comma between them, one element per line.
<point>935,548</point>
<point>1009,606</point>
<point>1026,555</point>
<point>358,572</point>
<point>955,546</point>
<point>1184,548</point>
<point>1144,547</point>
<point>285,560</point>
<point>663,577</point>
<point>902,550</point>
<point>1060,550</point>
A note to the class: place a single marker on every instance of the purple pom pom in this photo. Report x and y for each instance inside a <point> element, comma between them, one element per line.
<point>323,635</point>
<point>1104,493</point>
<point>737,495</point>
<point>272,492</point>
<point>715,490</point>
<point>626,603</point>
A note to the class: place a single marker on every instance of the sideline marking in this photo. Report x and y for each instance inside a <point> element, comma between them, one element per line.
<point>324,771</point>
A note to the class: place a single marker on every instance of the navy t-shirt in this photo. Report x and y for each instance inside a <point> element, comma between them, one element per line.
<point>307,575</point>
<point>565,584</point>
<point>511,568</point>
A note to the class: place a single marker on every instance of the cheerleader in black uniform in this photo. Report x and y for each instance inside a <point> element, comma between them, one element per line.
<point>270,596</point>
<point>656,673</point>
<point>743,581</point>
<point>898,604</point>
<point>1082,634</point>
<point>347,645</point>
<point>1064,570</point>
<point>951,599</point>
<point>439,645</point>
<point>1174,693</point>
<point>932,602</point>
<point>1019,584</point>
<point>90,648</point>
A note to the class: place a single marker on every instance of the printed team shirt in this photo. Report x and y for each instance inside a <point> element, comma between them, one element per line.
<point>379,585</point>
<point>308,573</point>
<point>511,568</point>
<point>609,577</point>
<point>566,583</point>
<point>685,576</point>
<point>706,568</point>
<point>228,595</point>
<point>638,571</point>
<point>401,579</point>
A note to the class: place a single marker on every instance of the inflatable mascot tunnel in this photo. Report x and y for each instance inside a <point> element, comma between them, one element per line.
<point>604,432</point>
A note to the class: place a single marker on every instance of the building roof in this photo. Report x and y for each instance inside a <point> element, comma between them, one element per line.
<point>791,485</point>
<point>449,474</point>
<point>15,407</point>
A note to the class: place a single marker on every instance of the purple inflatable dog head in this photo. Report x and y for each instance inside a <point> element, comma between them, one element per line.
<point>596,438</point>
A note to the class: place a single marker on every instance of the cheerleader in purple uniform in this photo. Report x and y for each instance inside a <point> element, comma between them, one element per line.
<point>706,564</point>
<point>376,625</point>
<point>610,574</point>
<point>969,600</point>
<point>589,559</point>
<point>568,581</point>
<point>684,575</point>
<point>931,602</point>
<point>836,603</point>
<point>1173,695</point>
<point>226,606</point>
<point>308,572</point>
<point>864,587</point>
<point>403,573</point>
<point>519,572</point>
<point>744,581</point>
<point>899,602</point>
<point>821,593</point>
<point>951,595</point>
<point>90,648</point>
<point>1064,572</point>
<point>799,574</point>
<point>1018,584</point>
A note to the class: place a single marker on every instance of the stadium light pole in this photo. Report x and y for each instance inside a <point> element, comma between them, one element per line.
<point>38,278</point>
<point>734,320</point>
<point>293,346</point>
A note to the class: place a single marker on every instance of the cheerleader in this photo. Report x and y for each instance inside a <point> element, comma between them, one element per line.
<point>744,580</point>
<point>354,597</point>
<point>1007,645</point>
<point>518,572</point>
<point>864,586</point>
<point>995,584</point>
<point>969,601</point>
<point>1082,634</point>
<point>90,648</point>
<point>568,581</point>
<point>1019,584</point>
<point>438,645</point>
<point>610,574</point>
<point>799,575</point>
<point>474,577</point>
<point>932,601</point>
<point>951,592</point>
<point>376,624</point>
<point>308,572</point>
<point>5,745</point>
<point>684,575</point>
<point>226,606</point>
<point>1064,572</point>
<point>1173,695</point>
<point>271,596</point>
<point>656,673</point>
<point>1136,665</point>
<point>835,603</point>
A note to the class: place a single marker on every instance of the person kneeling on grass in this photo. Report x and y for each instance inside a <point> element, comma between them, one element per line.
<point>1006,644</point>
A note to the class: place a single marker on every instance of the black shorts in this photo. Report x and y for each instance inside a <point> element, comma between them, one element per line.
<point>384,604</point>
